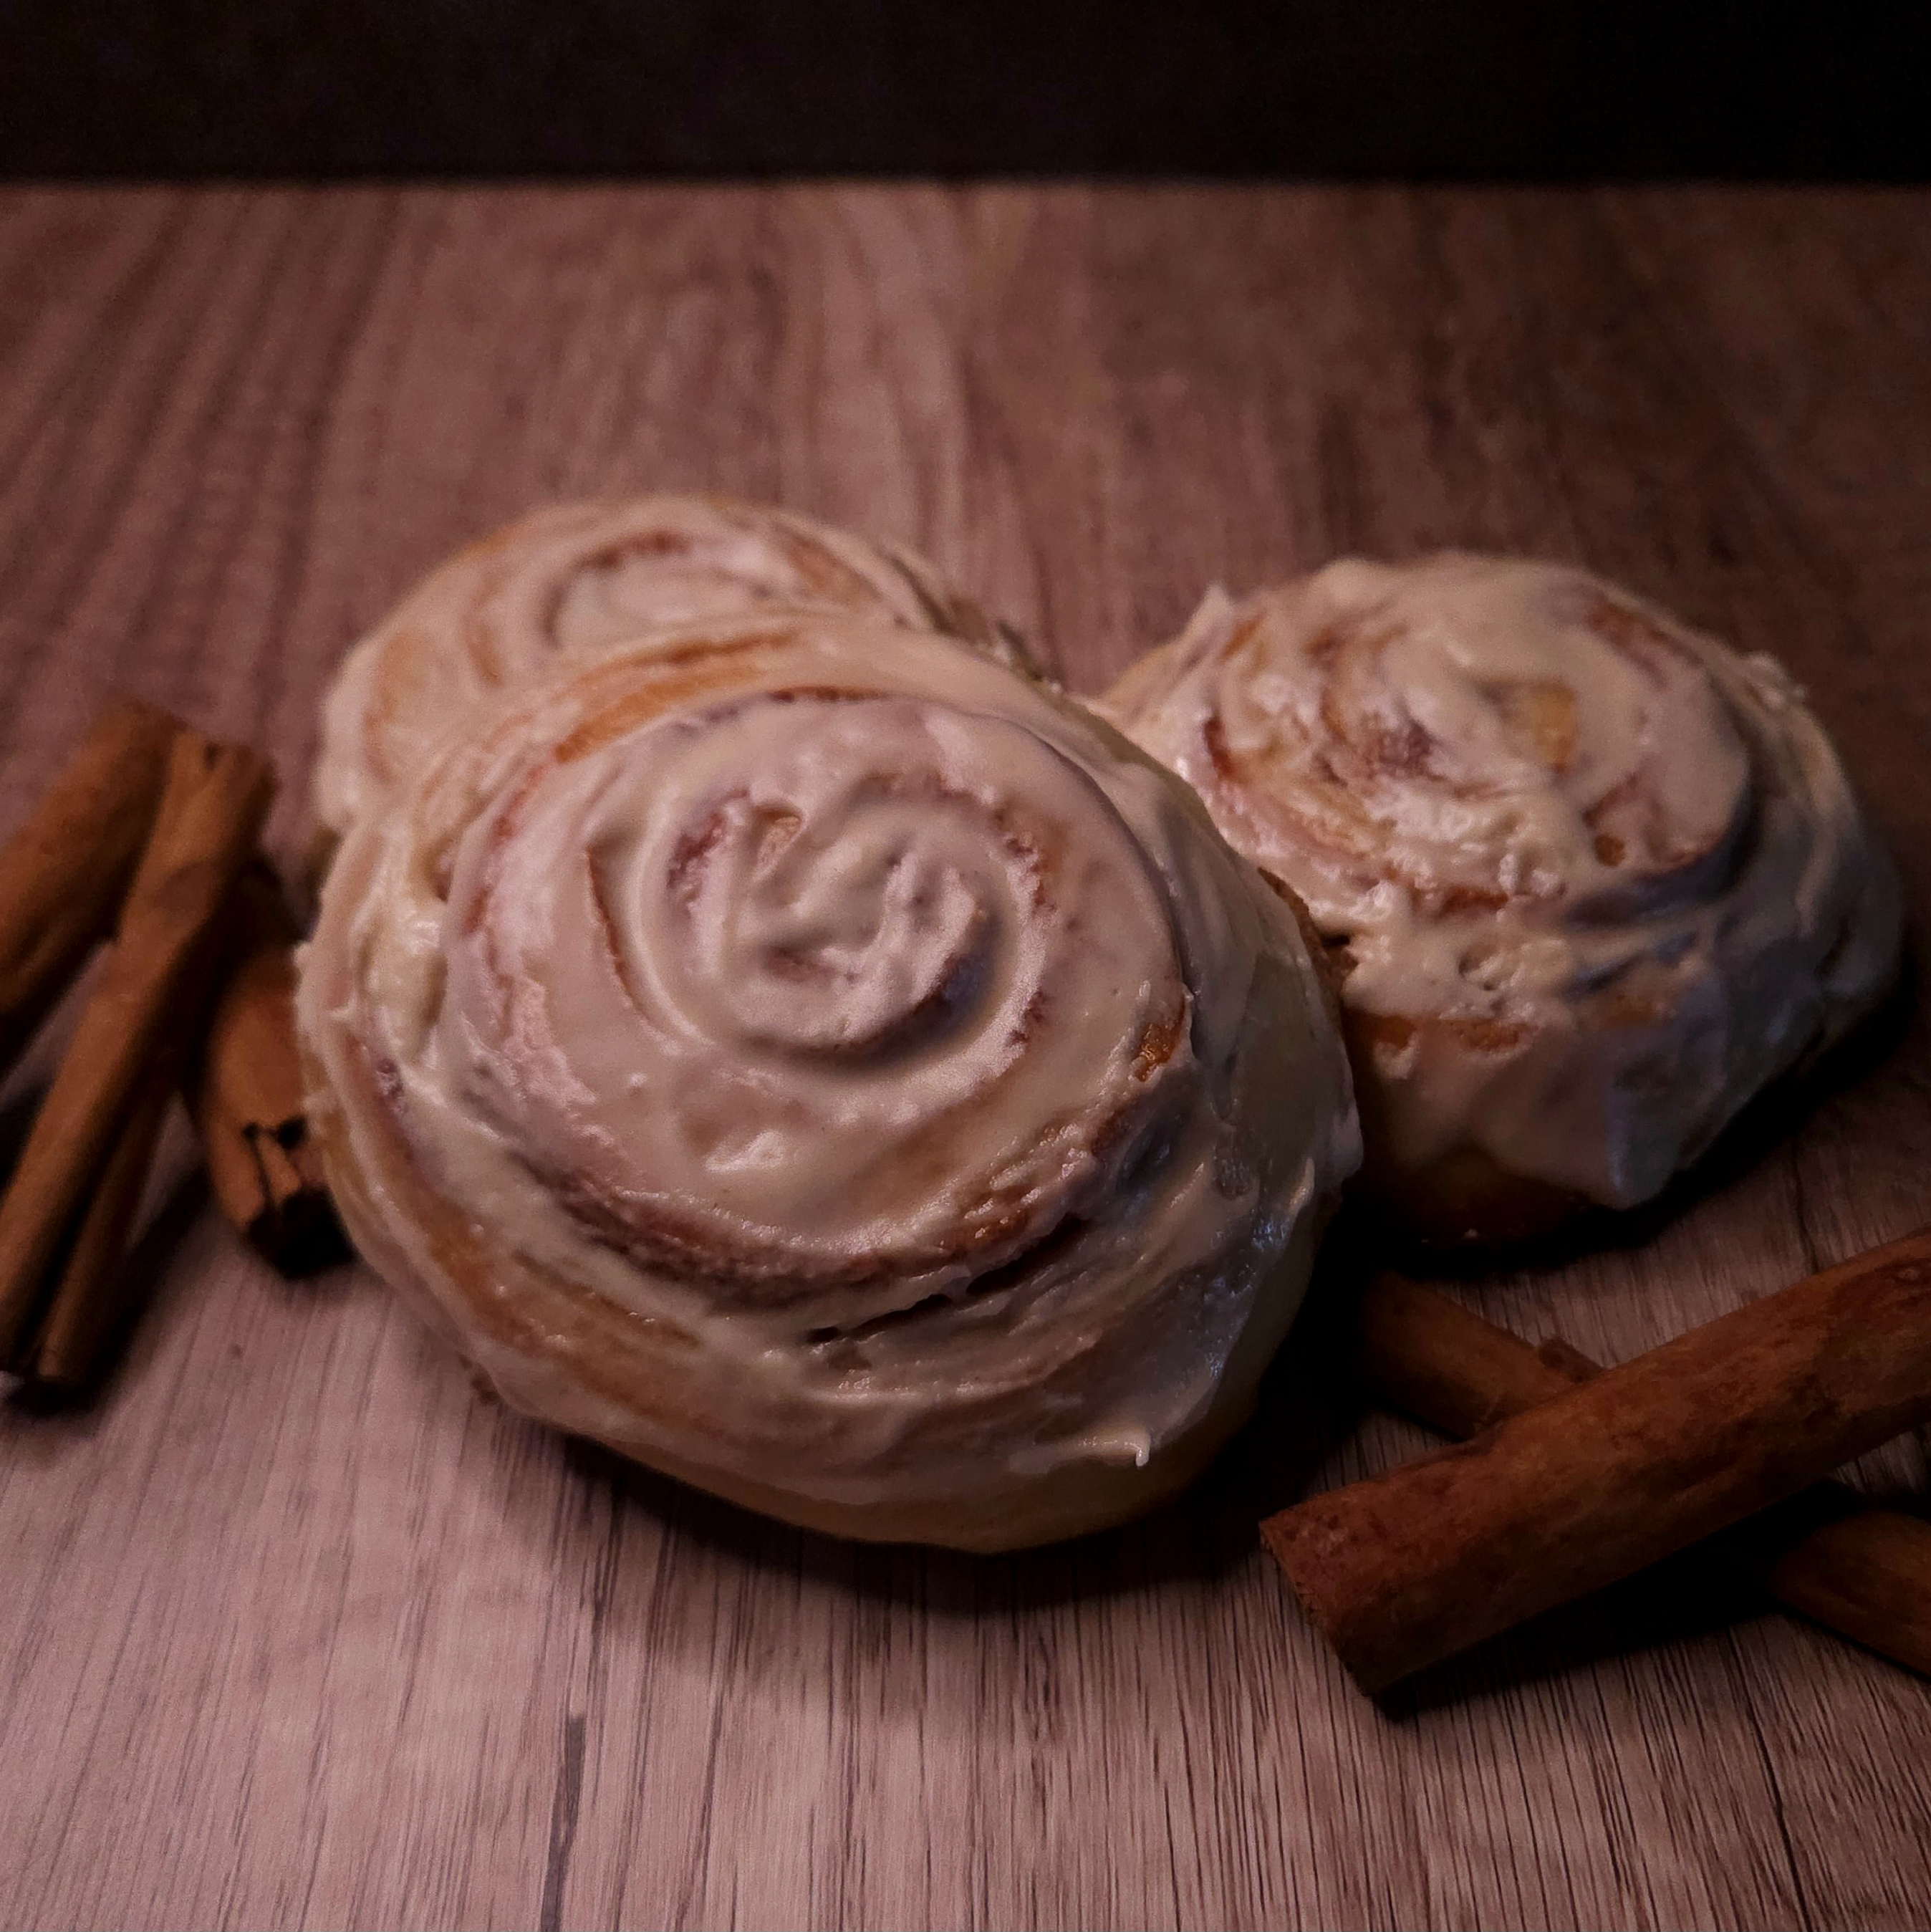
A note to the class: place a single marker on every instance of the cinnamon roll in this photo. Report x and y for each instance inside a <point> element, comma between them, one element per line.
<point>822,1065</point>
<point>590,575</point>
<point>1592,880</point>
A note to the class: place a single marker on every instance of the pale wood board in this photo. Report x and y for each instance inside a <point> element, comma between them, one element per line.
<point>300,1632</point>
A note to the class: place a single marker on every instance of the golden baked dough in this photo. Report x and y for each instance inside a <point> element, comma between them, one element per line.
<point>823,1065</point>
<point>589,575</point>
<point>1592,880</point>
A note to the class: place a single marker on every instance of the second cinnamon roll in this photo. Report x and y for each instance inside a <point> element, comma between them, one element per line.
<point>591,575</point>
<point>1593,879</point>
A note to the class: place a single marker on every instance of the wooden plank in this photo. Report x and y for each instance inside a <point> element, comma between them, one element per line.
<point>307,1633</point>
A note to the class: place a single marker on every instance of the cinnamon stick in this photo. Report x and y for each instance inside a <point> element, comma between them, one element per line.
<point>149,991</point>
<point>1868,1575</point>
<point>1865,1572</point>
<point>1618,1472</point>
<point>245,1092</point>
<point>1418,1351</point>
<point>94,1296</point>
<point>63,873</point>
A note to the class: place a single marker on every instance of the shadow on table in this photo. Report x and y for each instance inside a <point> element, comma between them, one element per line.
<point>1208,1537</point>
<point>1305,1411</point>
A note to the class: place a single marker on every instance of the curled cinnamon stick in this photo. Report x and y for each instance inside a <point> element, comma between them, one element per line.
<point>150,990</point>
<point>93,1296</point>
<point>1868,1575</point>
<point>1618,1472</point>
<point>245,1092</point>
<point>63,873</point>
<point>1866,1572</point>
<point>1418,1350</point>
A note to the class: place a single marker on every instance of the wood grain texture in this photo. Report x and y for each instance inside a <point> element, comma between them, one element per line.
<point>302,1632</point>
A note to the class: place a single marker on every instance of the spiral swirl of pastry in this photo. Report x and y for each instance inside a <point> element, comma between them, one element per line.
<point>829,1067</point>
<point>588,576</point>
<point>1594,879</point>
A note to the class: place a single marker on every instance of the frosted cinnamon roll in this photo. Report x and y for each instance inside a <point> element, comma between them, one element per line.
<point>1592,880</point>
<point>590,575</point>
<point>822,1065</point>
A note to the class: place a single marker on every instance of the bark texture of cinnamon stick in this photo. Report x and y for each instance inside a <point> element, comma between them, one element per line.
<point>245,1092</point>
<point>1617,1472</point>
<point>1865,1573</point>
<point>93,1298</point>
<point>63,873</point>
<point>1418,1351</point>
<point>149,993</point>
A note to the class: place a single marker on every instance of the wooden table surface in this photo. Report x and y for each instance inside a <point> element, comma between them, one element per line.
<point>301,1631</point>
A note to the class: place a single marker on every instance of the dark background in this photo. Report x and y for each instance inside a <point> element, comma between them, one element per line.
<point>1411,88</point>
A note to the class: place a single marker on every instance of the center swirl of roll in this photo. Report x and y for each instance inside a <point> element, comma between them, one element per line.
<point>814,992</point>
<point>1487,739</point>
